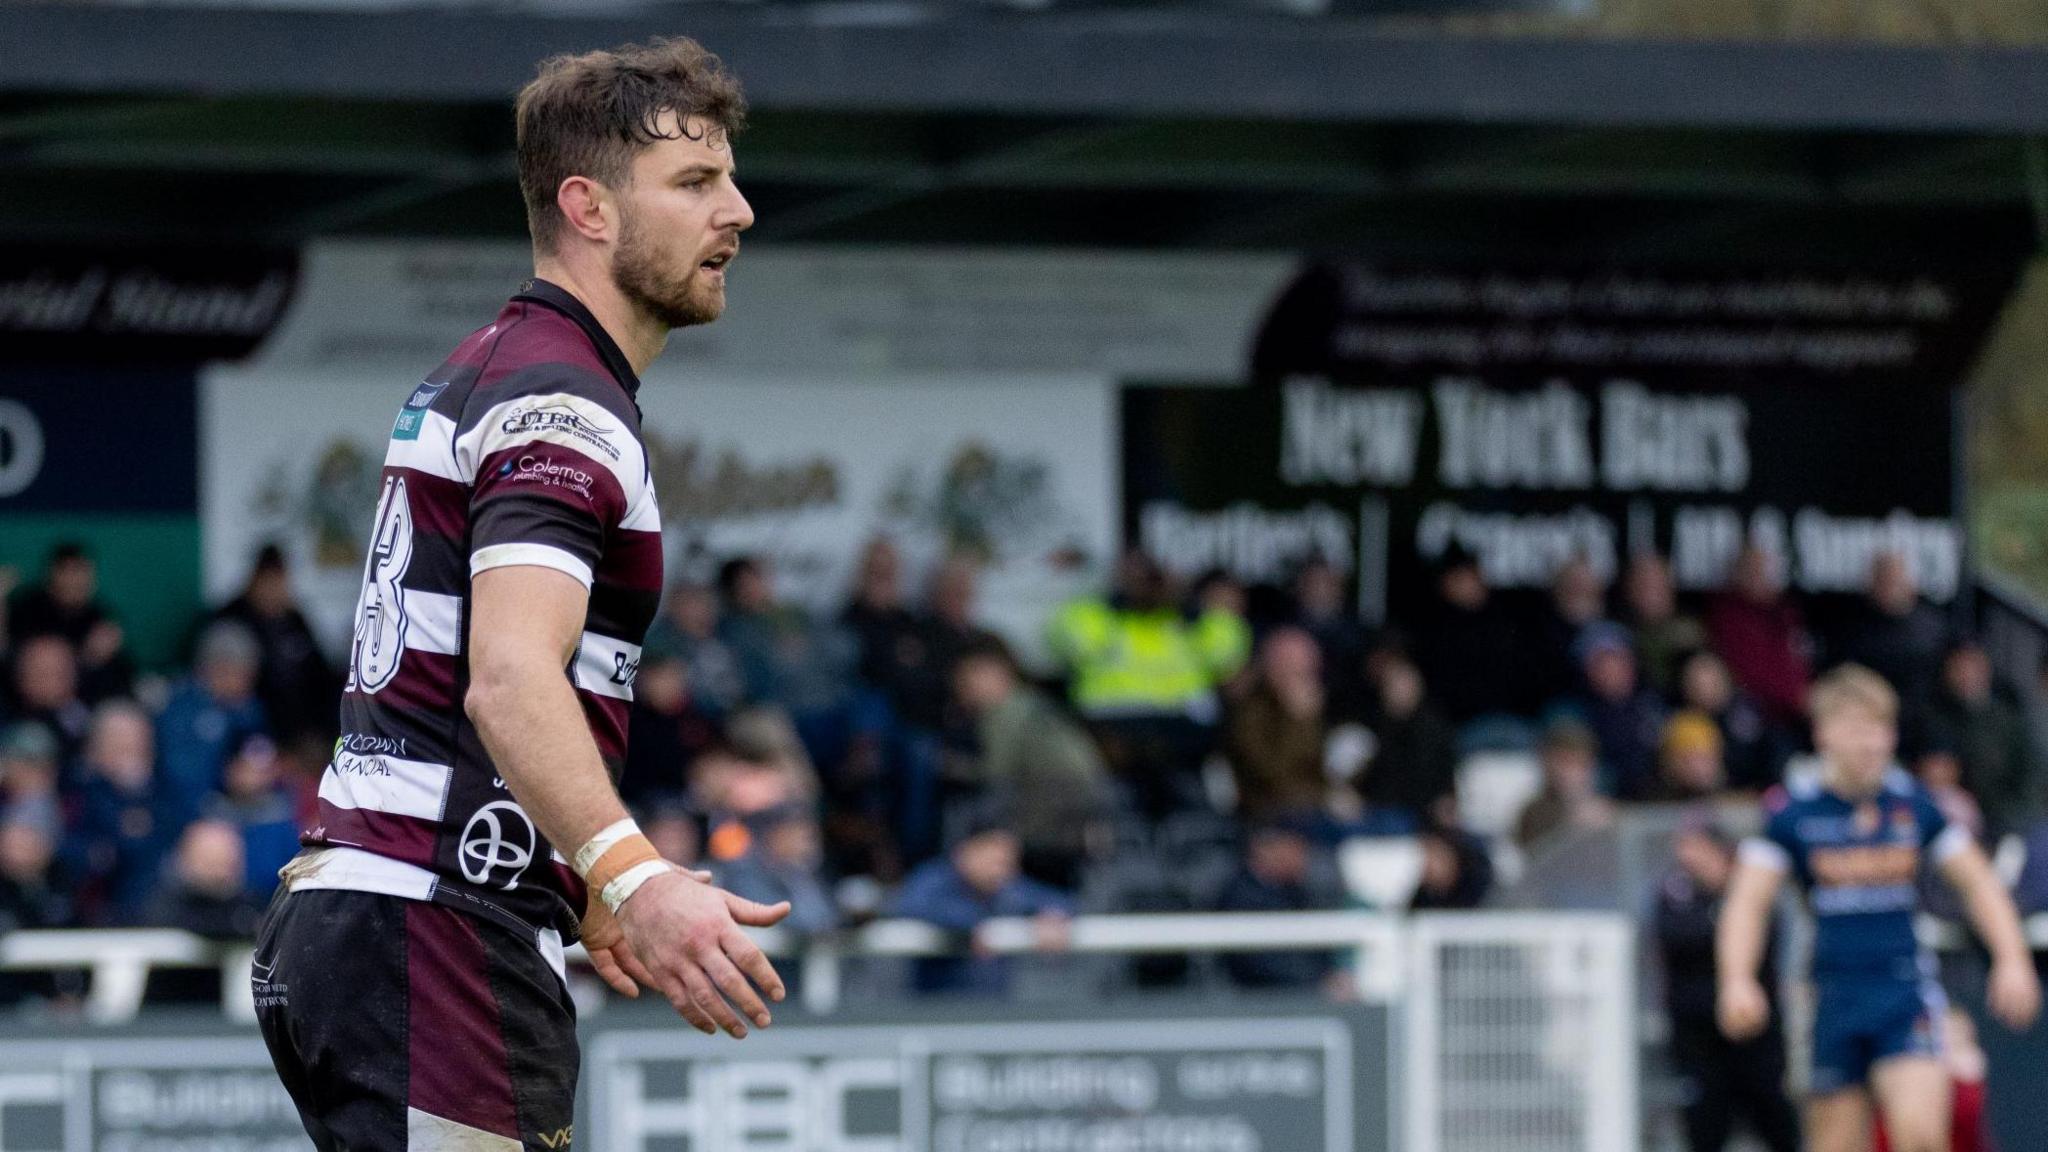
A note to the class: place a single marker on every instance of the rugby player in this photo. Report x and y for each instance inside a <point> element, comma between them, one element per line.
<point>409,977</point>
<point>1854,836</point>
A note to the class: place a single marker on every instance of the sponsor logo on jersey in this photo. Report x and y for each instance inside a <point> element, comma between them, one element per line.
<point>349,764</point>
<point>560,418</point>
<point>540,469</point>
<point>1865,865</point>
<point>413,416</point>
<point>367,744</point>
<point>497,845</point>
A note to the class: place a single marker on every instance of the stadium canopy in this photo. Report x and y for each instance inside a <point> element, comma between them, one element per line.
<point>1149,127</point>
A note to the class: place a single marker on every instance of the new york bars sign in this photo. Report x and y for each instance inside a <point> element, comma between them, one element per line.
<point>1528,416</point>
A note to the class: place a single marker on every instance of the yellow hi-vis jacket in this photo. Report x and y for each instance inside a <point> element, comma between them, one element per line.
<point>1126,662</point>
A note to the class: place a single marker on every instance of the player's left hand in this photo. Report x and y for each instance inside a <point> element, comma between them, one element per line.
<point>2015,993</point>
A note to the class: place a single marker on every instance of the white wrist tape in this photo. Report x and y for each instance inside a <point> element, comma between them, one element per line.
<point>600,844</point>
<point>629,882</point>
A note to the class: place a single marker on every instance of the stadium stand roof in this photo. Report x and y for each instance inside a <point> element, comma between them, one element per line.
<point>1112,127</point>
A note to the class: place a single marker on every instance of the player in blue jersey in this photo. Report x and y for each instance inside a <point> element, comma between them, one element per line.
<point>1854,835</point>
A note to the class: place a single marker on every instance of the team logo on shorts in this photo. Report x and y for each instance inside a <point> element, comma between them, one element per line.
<point>498,837</point>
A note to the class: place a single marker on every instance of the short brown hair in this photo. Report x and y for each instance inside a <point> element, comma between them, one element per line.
<point>1854,686</point>
<point>589,115</point>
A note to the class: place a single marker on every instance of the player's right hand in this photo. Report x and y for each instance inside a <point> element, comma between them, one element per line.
<point>2015,993</point>
<point>684,938</point>
<point>1743,1009</point>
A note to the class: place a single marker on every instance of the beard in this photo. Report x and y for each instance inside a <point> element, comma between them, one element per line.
<point>655,285</point>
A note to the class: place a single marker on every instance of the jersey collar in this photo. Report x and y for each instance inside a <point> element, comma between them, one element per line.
<point>539,291</point>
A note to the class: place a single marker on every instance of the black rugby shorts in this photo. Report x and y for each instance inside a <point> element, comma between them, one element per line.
<point>405,1026</point>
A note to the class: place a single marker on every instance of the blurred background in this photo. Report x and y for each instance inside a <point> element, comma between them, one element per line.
<point>1242,562</point>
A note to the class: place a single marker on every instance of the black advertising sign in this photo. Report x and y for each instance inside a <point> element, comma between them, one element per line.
<point>1530,416</point>
<point>142,305</point>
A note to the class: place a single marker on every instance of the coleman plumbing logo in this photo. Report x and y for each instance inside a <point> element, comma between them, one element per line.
<point>562,418</point>
<point>542,470</point>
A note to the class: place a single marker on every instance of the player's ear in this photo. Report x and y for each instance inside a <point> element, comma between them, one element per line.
<point>587,207</point>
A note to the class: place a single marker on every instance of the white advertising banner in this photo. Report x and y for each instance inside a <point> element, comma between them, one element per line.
<point>1019,470</point>
<point>954,401</point>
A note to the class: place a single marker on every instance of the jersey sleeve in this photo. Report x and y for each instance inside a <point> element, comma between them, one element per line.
<point>1940,837</point>
<point>555,472</point>
<point>1777,846</point>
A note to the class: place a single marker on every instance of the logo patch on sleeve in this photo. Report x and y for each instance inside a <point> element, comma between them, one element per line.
<point>414,415</point>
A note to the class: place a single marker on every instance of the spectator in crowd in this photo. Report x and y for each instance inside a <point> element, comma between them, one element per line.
<point>1035,762</point>
<point>46,692</point>
<point>1215,592</point>
<point>1570,799</point>
<point>1466,645</point>
<point>1275,734</point>
<point>1989,737</point>
<point>754,628</point>
<point>783,859</point>
<point>1725,1081</point>
<point>206,892</point>
<point>784,658</point>
<point>1940,771</point>
<point>1146,677</point>
<point>1578,598</point>
<point>1894,634</point>
<point>208,716</point>
<point>1689,758</point>
<point>895,764</point>
<point>765,737</point>
<point>1759,632</point>
<point>34,892</point>
<point>255,801</point>
<point>688,627</point>
<point>1414,767</point>
<point>949,631</point>
<point>1342,639</point>
<point>789,660</point>
<point>296,685</point>
<point>67,604</point>
<point>1751,751</point>
<point>893,657</point>
<point>1664,635</point>
<point>118,841</point>
<point>666,731</point>
<point>732,781</point>
<point>29,778</point>
<point>1625,716</point>
<point>674,832</point>
<point>978,880</point>
<point>1457,873</point>
<point>1275,876</point>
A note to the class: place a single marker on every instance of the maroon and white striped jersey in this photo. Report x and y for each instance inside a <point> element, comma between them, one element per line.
<point>523,448</point>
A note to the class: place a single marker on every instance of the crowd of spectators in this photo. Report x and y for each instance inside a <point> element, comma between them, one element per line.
<point>895,758</point>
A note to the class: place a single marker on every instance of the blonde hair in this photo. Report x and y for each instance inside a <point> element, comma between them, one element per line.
<point>1853,686</point>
